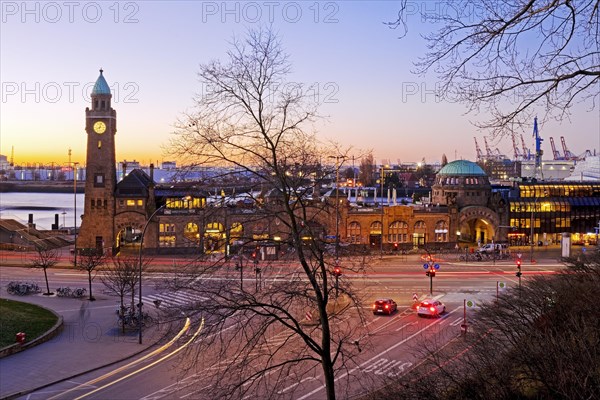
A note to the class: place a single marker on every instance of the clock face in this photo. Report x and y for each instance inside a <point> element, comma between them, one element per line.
<point>99,127</point>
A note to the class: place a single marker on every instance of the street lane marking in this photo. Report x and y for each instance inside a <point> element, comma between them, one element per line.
<point>371,359</point>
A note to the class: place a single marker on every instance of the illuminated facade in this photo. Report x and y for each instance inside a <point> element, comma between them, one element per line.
<point>554,208</point>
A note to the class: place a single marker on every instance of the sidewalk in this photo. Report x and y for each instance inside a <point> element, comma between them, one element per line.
<point>90,339</point>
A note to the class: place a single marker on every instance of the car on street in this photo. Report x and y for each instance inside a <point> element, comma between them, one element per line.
<point>431,308</point>
<point>493,248</point>
<point>384,306</point>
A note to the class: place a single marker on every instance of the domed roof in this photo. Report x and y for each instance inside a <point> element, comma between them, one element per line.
<point>101,87</point>
<point>462,168</point>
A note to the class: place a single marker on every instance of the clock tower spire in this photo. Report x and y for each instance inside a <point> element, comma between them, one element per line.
<point>97,225</point>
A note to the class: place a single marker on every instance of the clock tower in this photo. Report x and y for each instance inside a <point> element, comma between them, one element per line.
<point>97,225</point>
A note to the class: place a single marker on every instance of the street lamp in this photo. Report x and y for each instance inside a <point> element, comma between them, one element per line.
<point>337,205</point>
<point>75,164</point>
<point>140,262</point>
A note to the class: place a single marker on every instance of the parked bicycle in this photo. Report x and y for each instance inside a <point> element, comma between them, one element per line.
<point>129,317</point>
<point>68,292</point>
<point>22,288</point>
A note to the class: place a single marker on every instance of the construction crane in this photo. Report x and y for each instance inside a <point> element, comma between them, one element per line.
<point>478,150</point>
<point>538,149</point>
<point>487,148</point>
<point>515,147</point>
<point>526,153</point>
<point>555,153</point>
<point>568,154</point>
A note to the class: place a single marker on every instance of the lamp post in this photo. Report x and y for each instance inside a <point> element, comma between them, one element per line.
<point>337,206</point>
<point>75,164</point>
<point>381,194</point>
<point>140,304</point>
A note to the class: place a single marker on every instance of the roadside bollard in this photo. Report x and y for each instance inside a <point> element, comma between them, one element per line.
<point>20,337</point>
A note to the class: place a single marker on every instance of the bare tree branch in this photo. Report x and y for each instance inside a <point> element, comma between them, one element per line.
<point>513,60</point>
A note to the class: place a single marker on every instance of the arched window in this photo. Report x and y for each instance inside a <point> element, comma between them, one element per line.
<point>441,231</point>
<point>191,233</point>
<point>419,233</point>
<point>398,232</point>
<point>376,228</point>
<point>354,232</point>
<point>235,232</point>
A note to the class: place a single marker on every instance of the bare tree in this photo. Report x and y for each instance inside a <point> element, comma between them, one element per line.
<point>367,170</point>
<point>122,279</point>
<point>512,59</point>
<point>252,119</point>
<point>89,260</point>
<point>45,257</point>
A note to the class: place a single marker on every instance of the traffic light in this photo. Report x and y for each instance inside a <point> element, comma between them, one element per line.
<point>519,263</point>
<point>518,274</point>
<point>427,273</point>
<point>395,246</point>
<point>337,271</point>
<point>432,272</point>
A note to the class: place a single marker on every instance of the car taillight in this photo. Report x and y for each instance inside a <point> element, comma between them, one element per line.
<point>374,306</point>
<point>432,309</point>
<point>387,306</point>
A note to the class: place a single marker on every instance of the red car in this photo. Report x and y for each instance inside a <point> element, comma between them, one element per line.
<point>384,306</point>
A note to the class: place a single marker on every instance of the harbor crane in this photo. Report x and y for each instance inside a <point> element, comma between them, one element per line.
<point>538,149</point>
<point>478,150</point>
<point>517,153</point>
<point>568,154</point>
<point>555,153</point>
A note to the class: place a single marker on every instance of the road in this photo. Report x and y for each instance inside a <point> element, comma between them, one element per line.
<point>391,346</point>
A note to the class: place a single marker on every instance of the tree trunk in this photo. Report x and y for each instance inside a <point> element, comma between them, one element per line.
<point>90,285</point>
<point>47,285</point>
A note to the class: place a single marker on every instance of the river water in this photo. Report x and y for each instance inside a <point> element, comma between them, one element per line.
<point>43,206</point>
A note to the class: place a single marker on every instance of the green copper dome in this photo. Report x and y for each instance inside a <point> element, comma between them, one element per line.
<point>101,87</point>
<point>462,168</point>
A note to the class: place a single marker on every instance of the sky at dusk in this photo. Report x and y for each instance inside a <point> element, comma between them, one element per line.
<point>150,51</point>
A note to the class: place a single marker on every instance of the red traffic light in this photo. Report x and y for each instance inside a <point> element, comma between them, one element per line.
<point>337,271</point>
<point>518,262</point>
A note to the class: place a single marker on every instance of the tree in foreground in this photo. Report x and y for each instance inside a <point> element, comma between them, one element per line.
<point>45,257</point>
<point>266,333</point>
<point>89,260</point>
<point>122,280</point>
<point>542,342</point>
<point>512,59</point>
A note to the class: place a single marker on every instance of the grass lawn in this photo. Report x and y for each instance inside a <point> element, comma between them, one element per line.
<point>23,317</point>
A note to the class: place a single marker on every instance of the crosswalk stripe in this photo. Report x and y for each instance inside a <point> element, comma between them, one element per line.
<point>174,299</point>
